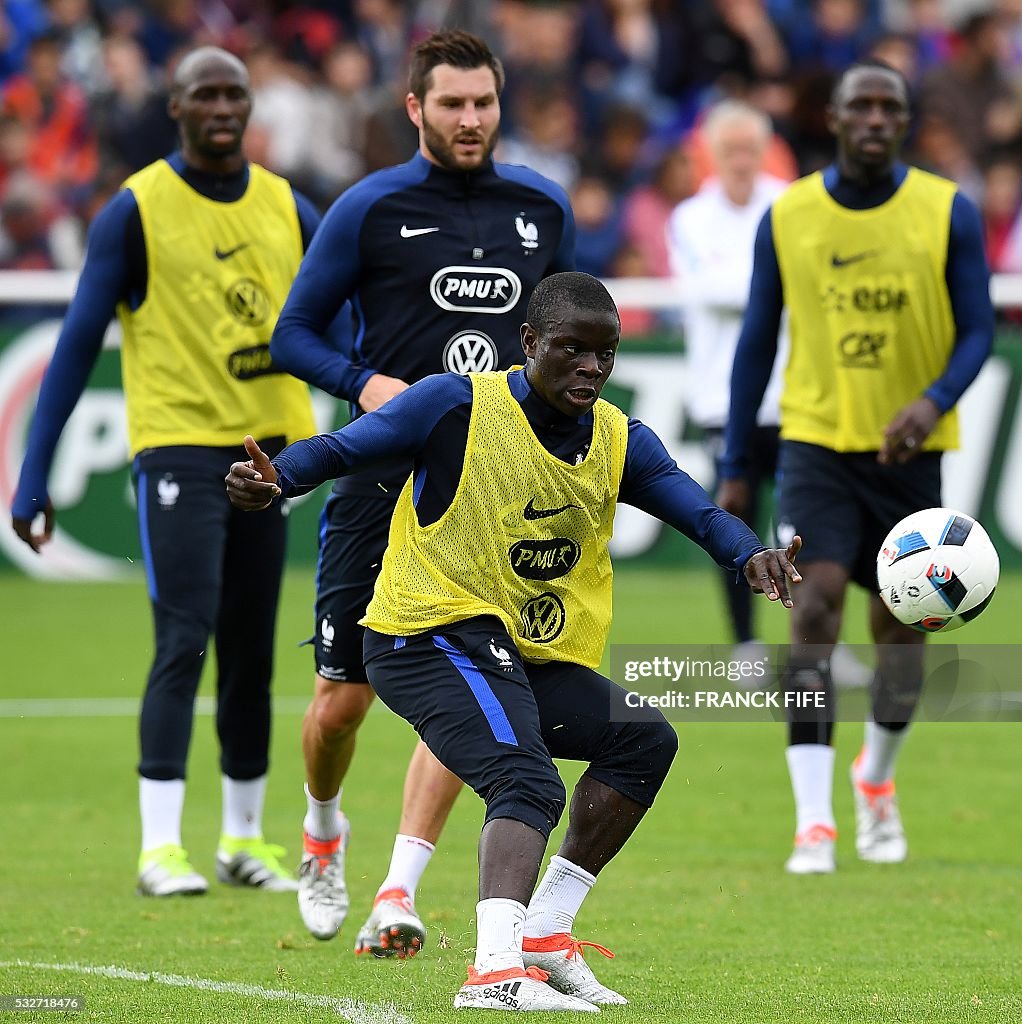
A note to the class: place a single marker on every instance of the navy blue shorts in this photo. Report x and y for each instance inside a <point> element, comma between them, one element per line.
<point>353,531</point>
<point>496,721</point>
<point>843,504</point>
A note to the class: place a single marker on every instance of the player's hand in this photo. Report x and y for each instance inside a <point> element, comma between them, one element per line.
<point>23,528</point>
<point>733,496</point>
<point>252,485</point>
<point>905,434</point>
<point>379,390</point>
<point>768,572</point>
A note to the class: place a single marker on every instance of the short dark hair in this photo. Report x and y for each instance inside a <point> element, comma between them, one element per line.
<point>874,64</point>
<point>455,47</point>
<point>572,290</point>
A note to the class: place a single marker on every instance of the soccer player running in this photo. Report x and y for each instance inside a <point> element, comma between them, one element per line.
<point>882,269</point>
<point>195,256</point>
<point>437,257</point>
<point>489,651</point>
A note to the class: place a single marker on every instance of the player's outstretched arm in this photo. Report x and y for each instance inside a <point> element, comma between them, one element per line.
<point>768,572</point>
<point>252,485</point>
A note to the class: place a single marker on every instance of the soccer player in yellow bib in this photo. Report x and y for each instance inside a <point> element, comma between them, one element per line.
<point>195,255</point>
<point>881,267</point>
<point>492,608</point>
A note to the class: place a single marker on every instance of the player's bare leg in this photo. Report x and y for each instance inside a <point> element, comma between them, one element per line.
<point>815,625</point>
<point>393,927</point>
<point>328,743</point>
<point>600,821</point>
<point>510,853</point>
<point>879,836</point>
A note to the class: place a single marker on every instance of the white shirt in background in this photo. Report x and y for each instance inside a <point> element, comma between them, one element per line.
<point>710,243</point>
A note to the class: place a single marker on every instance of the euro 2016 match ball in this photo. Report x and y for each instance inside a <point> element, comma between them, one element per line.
<point>937,570</point>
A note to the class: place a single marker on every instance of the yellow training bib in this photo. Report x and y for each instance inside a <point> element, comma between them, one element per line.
<point>525,537</point>
<point>195,356</point>
<point>870,315</point>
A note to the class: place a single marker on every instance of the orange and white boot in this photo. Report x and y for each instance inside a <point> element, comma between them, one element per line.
<point>879,835</point>
<point>516,988</point>
<point>814,852</point>
<point>562,958</point>
<point>393,928</point>
<point>322,893</point>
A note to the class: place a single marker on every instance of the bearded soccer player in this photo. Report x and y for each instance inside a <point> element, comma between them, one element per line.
<point>882,269</point>
<point>195,256</point>
<point>437,257</point>
<point>493,662</point>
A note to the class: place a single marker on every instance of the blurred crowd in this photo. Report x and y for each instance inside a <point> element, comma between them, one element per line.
<point>604,96</point>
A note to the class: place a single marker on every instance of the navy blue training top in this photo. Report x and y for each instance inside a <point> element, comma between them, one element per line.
<point>968,282</point>
<point>438,267</point>
<point>427,426</point>
<point>115,269</point>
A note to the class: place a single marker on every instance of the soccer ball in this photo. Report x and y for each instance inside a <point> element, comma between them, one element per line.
<point>937,570</point>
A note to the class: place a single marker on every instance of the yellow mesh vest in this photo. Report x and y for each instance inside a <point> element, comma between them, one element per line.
<point>501,548</point>
<point>195,357</point>
<point>871,322</point>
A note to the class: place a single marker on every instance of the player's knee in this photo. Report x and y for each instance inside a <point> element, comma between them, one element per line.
<point>339,709</point>
<point>181,644</point>
<point>656,746</point>
<point>661,742</point>
<point>533,794</point>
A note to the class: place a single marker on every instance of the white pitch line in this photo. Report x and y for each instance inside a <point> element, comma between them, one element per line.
<point>350,1009</point>
<point>117,707</point>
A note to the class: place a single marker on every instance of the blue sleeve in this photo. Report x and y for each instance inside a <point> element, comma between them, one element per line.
<point>564,259</point>
<point>653,482</point>
<point>398,429</point>
<point>326,280</point>
<point>103,283</point>
<point>968,282</point>
<point>755,352</point>
<point>308,218</point>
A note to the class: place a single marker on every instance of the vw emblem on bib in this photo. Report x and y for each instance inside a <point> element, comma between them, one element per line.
<point>543,618</point>
<point>470,352</point>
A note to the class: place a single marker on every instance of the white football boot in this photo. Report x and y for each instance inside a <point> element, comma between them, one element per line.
<point>515,989</point>
<point>166,871</point>
<point>255,863</point>
<point>562,959</point>
<point>814,852</point>
<point>322,893</point>
<point>879,835</point>
<point>393,927</point>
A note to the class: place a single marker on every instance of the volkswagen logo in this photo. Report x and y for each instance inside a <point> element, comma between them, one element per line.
<point>470,352</point>
<point>543,618</point>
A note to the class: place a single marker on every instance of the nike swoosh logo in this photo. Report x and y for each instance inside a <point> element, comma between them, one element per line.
<point>531,512</point>
<point>837,262</point>
<point>407,232</point>
<point>224,254</point>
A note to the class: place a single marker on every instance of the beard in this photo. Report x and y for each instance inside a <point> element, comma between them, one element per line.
<point>443,151</point>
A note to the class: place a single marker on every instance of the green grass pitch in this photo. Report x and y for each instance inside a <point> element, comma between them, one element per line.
<point>706,926</point>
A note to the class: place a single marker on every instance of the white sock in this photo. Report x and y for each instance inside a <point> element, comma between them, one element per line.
<point>161,802</point>
<point>323,819</point>
<point>243,807</point>
<point>499,935</point>
<point>879,752</point>
<point>407,863</point>
<point>811,767</point>
<point>557,898</point>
